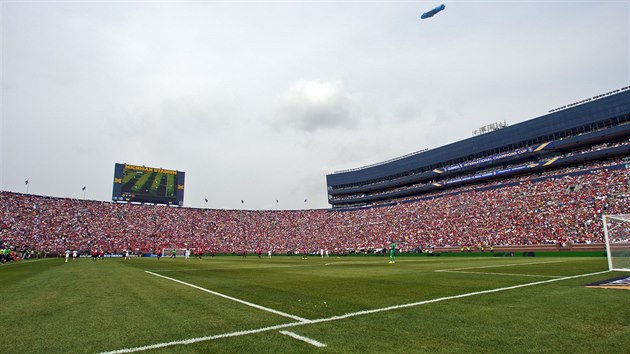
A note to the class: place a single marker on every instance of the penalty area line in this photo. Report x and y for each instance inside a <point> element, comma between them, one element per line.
<point>258,267</point>
<point>377,263</point>
<point>340,317</point>
<point>267,309</point>
<point>304,339</point>
<point>202,339</point>
<point>424,302</point>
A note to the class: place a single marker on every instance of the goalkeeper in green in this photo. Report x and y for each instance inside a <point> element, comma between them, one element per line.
<point>392,253</point>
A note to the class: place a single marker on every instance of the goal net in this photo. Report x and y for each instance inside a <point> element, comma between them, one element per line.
<point>174,252</point>
<point>617,234</point>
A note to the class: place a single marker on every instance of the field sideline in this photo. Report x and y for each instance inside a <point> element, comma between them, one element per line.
<point>338,305</point>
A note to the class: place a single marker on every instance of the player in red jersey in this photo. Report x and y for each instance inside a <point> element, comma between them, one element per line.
<point>199,252</point>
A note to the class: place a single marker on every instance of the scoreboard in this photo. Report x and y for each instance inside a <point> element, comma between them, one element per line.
<point>148,185</point>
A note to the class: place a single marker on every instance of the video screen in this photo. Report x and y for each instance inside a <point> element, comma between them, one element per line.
<point>148,185</point>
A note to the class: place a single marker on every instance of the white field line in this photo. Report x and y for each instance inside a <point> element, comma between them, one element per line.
<point>203,339</point>
<point>497,265</point>
<point>272,266</point>
<point>260,267</point>
<point>304,339</point>
<point>336,318</point>
<point>232,298</point>
<point>360,313</point>
<point>384,261</point>
<point>513,274</point>
<point>350,262</point>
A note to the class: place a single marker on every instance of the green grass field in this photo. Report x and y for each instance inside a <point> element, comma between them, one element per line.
<point>170,185</point>
<point>149,183</point>
<point>350,304</point>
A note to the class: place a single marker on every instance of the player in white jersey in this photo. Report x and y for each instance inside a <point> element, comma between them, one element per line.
<point>67,255</point>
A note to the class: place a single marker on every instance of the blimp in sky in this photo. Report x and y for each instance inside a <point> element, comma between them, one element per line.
<point>432,12</point>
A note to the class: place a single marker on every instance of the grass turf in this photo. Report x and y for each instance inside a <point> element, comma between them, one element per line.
<point>50,306</point>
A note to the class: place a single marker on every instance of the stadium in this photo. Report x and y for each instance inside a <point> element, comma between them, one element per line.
<point>574,160</point>
<point>283,118</point>
<point>579,134</point>
<point>520,209</point>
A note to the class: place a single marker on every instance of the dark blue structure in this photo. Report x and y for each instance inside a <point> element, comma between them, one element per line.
<point>528,147</point>
<point>432,12</point>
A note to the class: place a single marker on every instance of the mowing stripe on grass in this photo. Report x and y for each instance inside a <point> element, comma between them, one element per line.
<point>334,318</point>
<point>28,261</point>
<point>304,339</point>
<point>396,307</point>
<point>232,298</point>
<point>497,265</point>
<point>350,262</point>
<point>513,274</point>
<point>257,267</point>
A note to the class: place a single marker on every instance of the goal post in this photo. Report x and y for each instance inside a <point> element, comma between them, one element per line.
<point>617,235</point>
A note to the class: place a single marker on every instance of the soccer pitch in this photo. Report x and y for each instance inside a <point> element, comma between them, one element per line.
<point>289,305</point>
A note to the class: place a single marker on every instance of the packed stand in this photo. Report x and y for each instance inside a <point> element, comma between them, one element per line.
<point>550,211</point>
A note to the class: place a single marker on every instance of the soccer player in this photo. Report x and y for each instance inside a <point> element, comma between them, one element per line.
<point>67,255</point>
<point>187,253</point>
<point>392,253</point>
<point>94,255</point>
<point>74,255</point>
<point>199,252</point>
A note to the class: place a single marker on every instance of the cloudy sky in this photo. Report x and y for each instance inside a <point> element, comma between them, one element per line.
<point>259,100</point>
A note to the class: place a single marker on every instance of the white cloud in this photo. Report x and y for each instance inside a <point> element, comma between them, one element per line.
<point>316,104</point>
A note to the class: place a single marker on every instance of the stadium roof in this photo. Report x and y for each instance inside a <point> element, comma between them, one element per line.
<point>533,131</point>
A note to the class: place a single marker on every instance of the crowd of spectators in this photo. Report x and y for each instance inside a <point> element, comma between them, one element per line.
<point>503,156</point>
<point>478,174</point>
<point>551,210</point>
<point>503,181</point>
